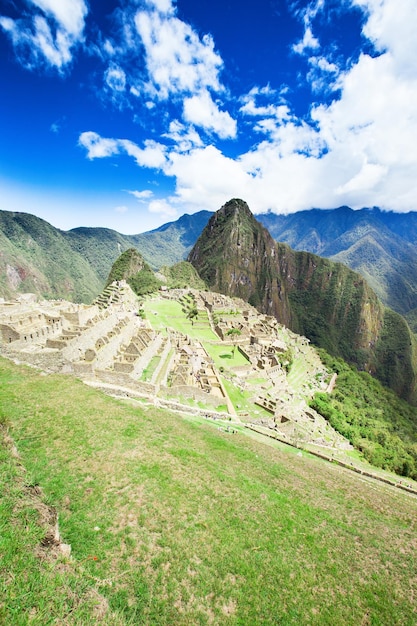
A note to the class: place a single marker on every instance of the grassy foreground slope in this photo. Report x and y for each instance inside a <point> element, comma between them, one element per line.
<point>174,522</point>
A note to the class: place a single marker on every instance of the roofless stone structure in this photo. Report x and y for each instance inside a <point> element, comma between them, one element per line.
<point>112,344</point>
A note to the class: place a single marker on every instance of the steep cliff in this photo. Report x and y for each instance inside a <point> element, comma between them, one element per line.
<point>236,255</point>
<point>329,303</point>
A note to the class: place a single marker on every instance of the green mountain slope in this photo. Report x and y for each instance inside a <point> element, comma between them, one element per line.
<point>131,267</point>
<point>171,242</point>
<point>326,301</point>
<point>379,245</point>
<point>378,423</point>
<point>37,257</point>
<point>181,275</point>
<point>100,247</point>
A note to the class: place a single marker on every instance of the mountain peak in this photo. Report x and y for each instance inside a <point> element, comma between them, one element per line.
<point>236,206</point>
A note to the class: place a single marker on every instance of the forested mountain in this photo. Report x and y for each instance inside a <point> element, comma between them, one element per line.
<point>380,245</point>
<point>171,243</point>
<point>316,297</point>
<point>37,257</point>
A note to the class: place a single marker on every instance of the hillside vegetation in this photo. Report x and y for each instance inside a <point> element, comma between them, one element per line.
<point>39,258</point>
<point>181,275</point>
<point>131,266</point>
<point>380,245</point>
<point>36,257</point>
<point>171,521</point>
<point>378,423</point>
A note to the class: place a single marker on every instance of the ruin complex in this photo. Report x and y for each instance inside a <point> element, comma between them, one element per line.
<point>112,344</point>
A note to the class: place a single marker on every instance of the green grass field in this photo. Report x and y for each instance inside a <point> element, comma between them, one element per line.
<point>225,356</point>
<point>174,522</point>
<point>164,314</point>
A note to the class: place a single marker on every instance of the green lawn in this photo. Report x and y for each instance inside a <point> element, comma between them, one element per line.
<point>298,373</point>
<point>242,400</point>
<point>163,314</point>
<point>175,522</point>
<point>225,356</point>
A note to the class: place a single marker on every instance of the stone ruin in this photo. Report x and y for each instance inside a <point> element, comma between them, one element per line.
<point>109,344</point>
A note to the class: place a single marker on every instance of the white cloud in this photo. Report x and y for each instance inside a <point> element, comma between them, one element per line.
<point>176,58</point>
<point>359,149</point>
<point>308,42</point>
<point>152,155</point>
<point>251,107</point>
<point>323,75</point>
<point>98,147</point>
<point>121,209</point>
<point>50,36</point>
<point>163,6</point>
<point>368,177</point>
<point>163,208</point>
<point>141,195</point>
<point>391,26</point>
<point>68,14</point>
<point>205,177</point>
<point>159,62</point>
<point>185,138</point>
<point>202,111</point>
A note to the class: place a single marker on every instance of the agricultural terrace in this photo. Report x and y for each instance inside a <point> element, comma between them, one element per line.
<point>240,379</point>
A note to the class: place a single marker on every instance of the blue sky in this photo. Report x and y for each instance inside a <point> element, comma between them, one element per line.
<point>128,113</point>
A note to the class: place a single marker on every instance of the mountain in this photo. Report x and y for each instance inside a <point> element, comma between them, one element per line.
<point>380,245</point>
<point>321,299</point>
<point>74,265</point>
<point>171,243</point>
<point>131,267</point>
<point>36,257</point>
<point>181,275</point>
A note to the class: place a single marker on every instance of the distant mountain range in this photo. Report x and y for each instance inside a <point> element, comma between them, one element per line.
<point>37,257</point>
<point>380,245</point>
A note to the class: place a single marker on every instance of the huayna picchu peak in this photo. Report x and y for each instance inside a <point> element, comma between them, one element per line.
<point>324,300</point>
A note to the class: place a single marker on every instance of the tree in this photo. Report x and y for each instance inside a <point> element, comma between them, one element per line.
<point>234,333</point>
<point>192,313</point>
